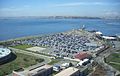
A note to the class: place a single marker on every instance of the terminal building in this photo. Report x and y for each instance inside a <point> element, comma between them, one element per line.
<point>44,70</point>
<point>5,54</point>
<point>71,71</point>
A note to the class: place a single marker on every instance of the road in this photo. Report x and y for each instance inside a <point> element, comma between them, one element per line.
<point>100,59</point>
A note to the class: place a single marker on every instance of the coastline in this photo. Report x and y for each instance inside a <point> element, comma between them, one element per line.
<point>34,36</point>
<point>34,27</point>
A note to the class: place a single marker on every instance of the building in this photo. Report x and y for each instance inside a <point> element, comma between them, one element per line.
<point>109,37</point>
<point>5,54</point>
<point>44,70</point>
<point>98,33</point>
<point>71,71</point>
<point>56,68</point>
<point>65,65</point>
<point>82,55</point>
<point>83,62</point>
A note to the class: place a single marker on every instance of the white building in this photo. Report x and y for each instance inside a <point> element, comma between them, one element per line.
<point>98,33</point>
<point>108,37</point>
<point>5,54</point>
<point>82,62</point>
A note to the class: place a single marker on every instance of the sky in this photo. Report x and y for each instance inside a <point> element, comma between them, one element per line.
<point>91,8</point>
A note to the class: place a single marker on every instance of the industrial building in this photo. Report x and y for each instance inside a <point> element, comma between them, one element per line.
<point>71,71</point>
<point>44,70</point>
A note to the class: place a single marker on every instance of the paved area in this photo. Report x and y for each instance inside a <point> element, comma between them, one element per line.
<point>36,49</point>
<point>65,44</point>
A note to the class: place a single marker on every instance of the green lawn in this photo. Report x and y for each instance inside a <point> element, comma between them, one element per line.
<point>114,60</point>
<point>115,57</point>
<point>22,60</point>
<point>23,47</point>
<point>117,66</point>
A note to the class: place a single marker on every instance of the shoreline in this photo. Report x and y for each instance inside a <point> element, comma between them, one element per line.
<point>40,35</point>
<point>34,36</point>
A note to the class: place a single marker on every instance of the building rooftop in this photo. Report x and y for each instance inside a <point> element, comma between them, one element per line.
<point>82,55</point>
<point>4,52</point>
<point>67,72</point>
<point>108,37</point>
<point>39,69</point>
<point>33,71</point>
<point>98,32</point>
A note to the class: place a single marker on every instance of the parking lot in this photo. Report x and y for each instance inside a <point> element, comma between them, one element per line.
<point>63,44</point>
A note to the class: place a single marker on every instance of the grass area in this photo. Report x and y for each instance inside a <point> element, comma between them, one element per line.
<point>115,57</point>
<point>22,60</point>
<point>87,71</point>
<point>114,60</point>
<point>23,47</point>
<point>40,53</point>
<point>99,71</point>
<point>53,61</point>
<point>117,66</point>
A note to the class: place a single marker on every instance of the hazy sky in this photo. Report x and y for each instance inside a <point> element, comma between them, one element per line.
<point>59,8</point>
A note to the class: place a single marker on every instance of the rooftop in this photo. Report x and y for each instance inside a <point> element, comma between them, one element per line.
<point>98,32</point>
<point>33,71</point>
<point>82,55</point>
<point>108,37</point>
<point>4,52</point>
<point>67,72</point>
<point>39,69</point>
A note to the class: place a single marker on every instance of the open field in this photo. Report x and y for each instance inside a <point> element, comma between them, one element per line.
<point>99,71</point>
<point>36,49</point>
<point>22,47</point>
<point>114,60</point>
<point>22,60</point>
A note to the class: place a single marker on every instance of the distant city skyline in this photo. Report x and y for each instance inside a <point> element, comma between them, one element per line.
<point>90,8</point>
